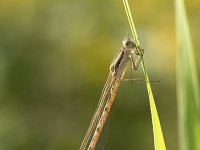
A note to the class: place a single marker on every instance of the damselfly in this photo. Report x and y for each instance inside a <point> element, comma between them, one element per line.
<point>129,52</point>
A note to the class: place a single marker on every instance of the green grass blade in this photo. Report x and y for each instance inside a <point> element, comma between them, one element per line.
<point>159,142</point>
<point>187,84</point>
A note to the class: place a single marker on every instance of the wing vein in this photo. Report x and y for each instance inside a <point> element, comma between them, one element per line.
<point>98,112</point>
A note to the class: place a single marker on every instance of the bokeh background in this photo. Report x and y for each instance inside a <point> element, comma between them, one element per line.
<point>54,61</point>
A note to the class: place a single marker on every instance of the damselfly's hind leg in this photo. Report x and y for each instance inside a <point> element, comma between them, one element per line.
<point>134,79</point>
<point>140,80</point>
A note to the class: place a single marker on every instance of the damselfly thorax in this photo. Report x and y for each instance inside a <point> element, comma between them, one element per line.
<point>125,55</point>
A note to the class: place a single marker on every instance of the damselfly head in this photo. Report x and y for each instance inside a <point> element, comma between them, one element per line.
<point>128,43</point>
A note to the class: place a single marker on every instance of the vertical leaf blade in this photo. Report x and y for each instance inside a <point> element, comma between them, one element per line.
<point>159,142</point>
<point>187,84</point>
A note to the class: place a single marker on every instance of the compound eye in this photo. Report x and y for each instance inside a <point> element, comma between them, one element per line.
<point>129,44</point>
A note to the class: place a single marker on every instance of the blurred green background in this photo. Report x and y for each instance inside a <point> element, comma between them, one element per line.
<point>54,61</point>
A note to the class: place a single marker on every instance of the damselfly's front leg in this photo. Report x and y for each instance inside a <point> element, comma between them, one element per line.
<point>135,57</point>
<point>137,51</point>
<point>134,66</point>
